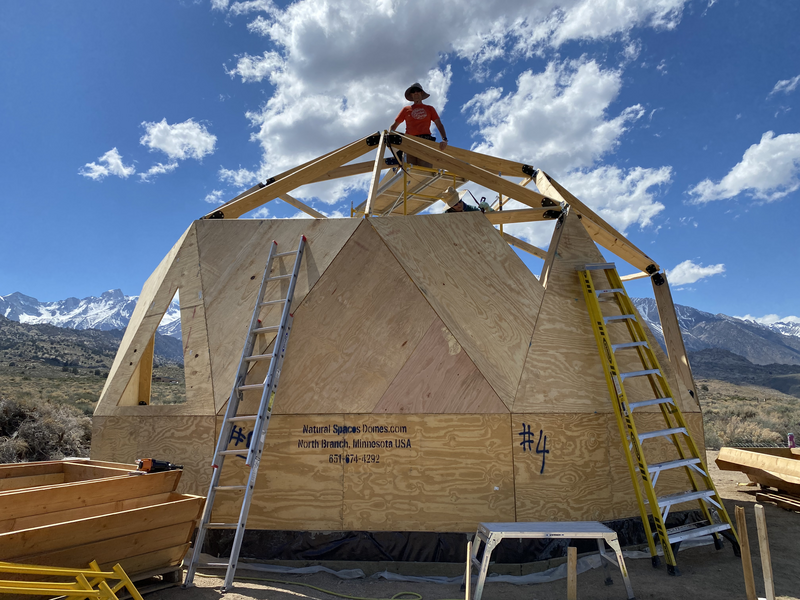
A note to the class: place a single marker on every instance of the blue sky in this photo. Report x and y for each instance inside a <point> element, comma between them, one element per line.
<point>677,120</point>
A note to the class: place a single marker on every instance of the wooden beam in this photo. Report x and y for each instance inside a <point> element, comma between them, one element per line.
<point>376,174</point>
<point>603,233</point>
<point>572,573</point>
<point>355,169</point>
<point>673,340</point>
<point>632,276</point>
<point>416,147</point>
<point>763,547</point>
<point>747,561</point>
<point>552,249</point>
<point>300,176</point>
<point>304,207</point>
<point>529,248</point>
<point>524,215</point>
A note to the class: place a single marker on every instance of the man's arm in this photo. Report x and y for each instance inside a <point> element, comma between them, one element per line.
<point>440,127</point>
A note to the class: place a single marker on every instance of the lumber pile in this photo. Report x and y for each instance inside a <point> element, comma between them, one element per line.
<point>74,512</point>
<point>777,468</point>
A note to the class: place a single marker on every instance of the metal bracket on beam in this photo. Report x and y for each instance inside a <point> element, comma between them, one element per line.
<point>551,214</point>
<point>549,202</point>
<point>269,181</point>
<point>391,161</point>
<point>394,139</point>
<point>530,171</point>
<point>217,214</point>
<point>374,140</point>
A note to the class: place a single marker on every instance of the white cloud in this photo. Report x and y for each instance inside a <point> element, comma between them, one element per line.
<point>339,67</point>
<point>689,272</point>
<point>110,164</point>
<point>621,198</point>
<point>786,86</point>
<point>214,197</point>
<point>769,170</point>
<point>256,68</point>
<point>240,178</point>
<point>182,140</point>
<point>158,169</point>
<point>770,319</point>
<point>261,213</point>
<point>555,119</point>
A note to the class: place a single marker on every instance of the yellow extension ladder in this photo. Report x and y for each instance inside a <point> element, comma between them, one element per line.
<point>645,474</point>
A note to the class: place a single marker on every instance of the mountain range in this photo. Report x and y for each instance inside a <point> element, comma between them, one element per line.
<point>760,344</point>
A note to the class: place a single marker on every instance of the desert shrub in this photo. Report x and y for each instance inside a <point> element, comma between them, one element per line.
<point>42,431</point>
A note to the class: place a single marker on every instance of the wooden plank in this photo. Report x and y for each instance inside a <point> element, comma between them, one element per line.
<point>152,561</point>
<point>82,512</point>
<point>523,245</point>
<point>137,392</point>
<point>468,287</point>
<point>307,174</point>
<point>53,537</point>
<point>439,377</point>
<point>731,459</point>
<point>182,440</point>
<point>82,472</point>
<point>373,185</point>
<point>747,561</point>
<point>572,573</point>
<point>603,233</point>
<point>424,187</point>
<point>763,548</point>
<point>299,487</point>
<point>349,170</point>
<point>676,350</point>
<point>233,255</point>
<point>30,469</point>
<point>115,549</point>
<point>561,467</point>
<point>447,473</point>
<point>524,215</point>
<point>552,250</point>
<point>17,483</point>
<point>632,276</point>
<point>480,176</point>
<point>303,207</point>
<point>785,502</point>
<point>353,332</point>
<point>21,504</point>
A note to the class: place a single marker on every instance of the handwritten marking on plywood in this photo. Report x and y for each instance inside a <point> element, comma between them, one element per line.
<point>451,472</point>
<point>477,285</point>
<point>353,333</point>
<point>561,467</point>
<point>182,440</point>
<point>439,377</point>
<point>563,372</point>
<point>233,255</point>
<point>298,486</point>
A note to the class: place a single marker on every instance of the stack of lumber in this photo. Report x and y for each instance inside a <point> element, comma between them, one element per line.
<point>777,468</point>
<point>73,512</point>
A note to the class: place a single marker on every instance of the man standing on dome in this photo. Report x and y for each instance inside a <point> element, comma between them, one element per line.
<point>418,118</point>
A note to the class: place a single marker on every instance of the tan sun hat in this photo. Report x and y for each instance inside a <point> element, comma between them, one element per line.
<point>416,86</point>
<point>451,197</point>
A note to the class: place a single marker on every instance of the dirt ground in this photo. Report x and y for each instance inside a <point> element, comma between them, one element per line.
<point>705,572</point>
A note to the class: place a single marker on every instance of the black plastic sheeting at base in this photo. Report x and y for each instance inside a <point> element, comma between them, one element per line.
<point>412,546</point>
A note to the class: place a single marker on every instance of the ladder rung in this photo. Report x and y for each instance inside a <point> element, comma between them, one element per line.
<point>257,357</point>
<point>243,418</point>
<point>624,376</point>
<point>685,497</point>
<point>213,565</point>
<point>266,329</point>
<point>284,254</point>
<point>598,267</point>
<point>610,291</point>
<point>616,347</point>
<point>673,464</point>
<point>280,277</point>
<point>641,403</point>
<point>222,526</point>
<point>227,452</point>
<point>229,488</point>
<point>698,532</point>
<point>662,433</point>
<point>251,386</point>
<point>269,302</point>
<point>619,318</point>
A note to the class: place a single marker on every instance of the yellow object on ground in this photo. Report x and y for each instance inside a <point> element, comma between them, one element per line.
<point>89,583</point>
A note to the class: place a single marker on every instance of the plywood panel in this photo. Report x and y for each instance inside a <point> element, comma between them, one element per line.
<point>17,483</point>
<point>299,485</point>
<point>563,372</point>
<point>187,441</point>
<point>440,378</point>
<point>561,467</point>
<point>431,473</point>
<point>353,333</point>
<point>233,255</point>
<point>477,285</point>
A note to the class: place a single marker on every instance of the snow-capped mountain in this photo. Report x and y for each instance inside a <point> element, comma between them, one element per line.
<point>112,310</point>
<point>760,344</point>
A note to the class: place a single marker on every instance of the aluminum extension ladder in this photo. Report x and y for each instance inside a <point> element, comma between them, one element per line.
<point>260,420</point>
<point>643,474</point>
